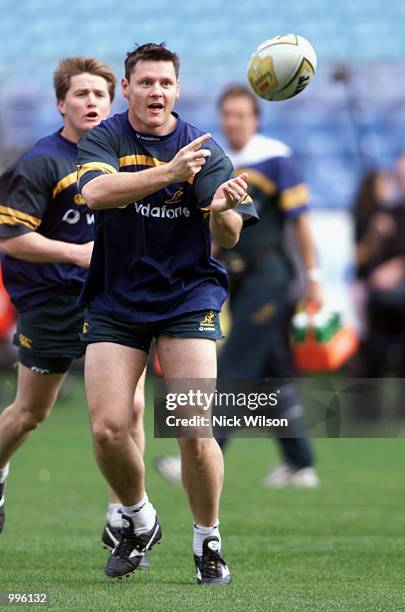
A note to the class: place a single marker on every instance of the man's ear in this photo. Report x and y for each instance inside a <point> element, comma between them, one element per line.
<point>124,87</point>
<point>61,106</point>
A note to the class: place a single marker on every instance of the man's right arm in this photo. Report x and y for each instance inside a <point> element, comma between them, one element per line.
<point>113,190</point>
<point>38,249</point>
<point>116,189</point>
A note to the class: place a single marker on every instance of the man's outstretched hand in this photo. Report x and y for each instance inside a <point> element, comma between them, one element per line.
<point>230,193</point>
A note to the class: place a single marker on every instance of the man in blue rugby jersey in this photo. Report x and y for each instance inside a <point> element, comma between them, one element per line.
<point>153,178</point>
<point>46,236</point>
<point>261,273</point>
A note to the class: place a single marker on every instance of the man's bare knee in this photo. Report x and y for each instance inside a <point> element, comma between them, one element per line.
<point>139,406</point>
<point>197,449</point>
<point>107,433</point>
<point>29,416</point>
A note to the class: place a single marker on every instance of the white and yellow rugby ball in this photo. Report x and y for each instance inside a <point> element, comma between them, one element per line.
<point>282,67</point>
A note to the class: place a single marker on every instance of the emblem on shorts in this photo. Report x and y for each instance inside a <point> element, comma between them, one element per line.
<point>39,370</point>
<point>208,322</point>
<point>85,328</point>
<point>24,341</point>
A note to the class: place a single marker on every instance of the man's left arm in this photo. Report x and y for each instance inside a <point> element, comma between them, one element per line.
<point>293,201</point>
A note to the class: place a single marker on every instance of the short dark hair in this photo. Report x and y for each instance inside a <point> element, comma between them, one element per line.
<point>150,52</point>
<point>236,90</point>
<point>71,66</point>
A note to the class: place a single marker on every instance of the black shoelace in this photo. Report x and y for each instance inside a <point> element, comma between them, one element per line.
<point>210,565</point>
<point>127,544</point>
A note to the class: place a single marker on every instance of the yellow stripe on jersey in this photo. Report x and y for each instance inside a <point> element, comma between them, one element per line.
<point>294,197</point>
<point>10,216</point>
<point>4,219</point>
<point>91,166</point>
<point>145,160</point>
<point>140,160</point>
<point>64,183</point>
<point>257,179</point>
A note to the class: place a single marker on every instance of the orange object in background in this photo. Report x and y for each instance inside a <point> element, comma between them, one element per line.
<point>314,356</point>
<point>320,342</point>
<point>7,312</point>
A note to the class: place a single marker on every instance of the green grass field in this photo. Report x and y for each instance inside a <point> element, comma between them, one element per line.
<point>341,547</point>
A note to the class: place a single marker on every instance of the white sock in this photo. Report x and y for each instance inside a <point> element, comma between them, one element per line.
<point>4,472</point>
<point>114,514</point>
<point>142,514</point>
<point>200,533</point>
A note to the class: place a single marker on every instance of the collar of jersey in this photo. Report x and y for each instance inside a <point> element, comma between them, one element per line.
<point>69,143</point>
<point>152,137</point>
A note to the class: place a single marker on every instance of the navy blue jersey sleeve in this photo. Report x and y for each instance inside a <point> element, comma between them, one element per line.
<point>216,171</point>
<point>25,192</point>
<point>293,191</point>
<point>97,154</point>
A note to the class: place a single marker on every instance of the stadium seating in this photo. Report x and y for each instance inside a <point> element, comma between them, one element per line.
<point>337,128</point>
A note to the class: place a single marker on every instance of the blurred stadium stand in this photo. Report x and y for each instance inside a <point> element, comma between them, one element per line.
<point>337,127</point>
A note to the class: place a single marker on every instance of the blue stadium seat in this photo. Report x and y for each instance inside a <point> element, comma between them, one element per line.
<point>335,127</point>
